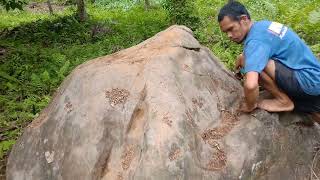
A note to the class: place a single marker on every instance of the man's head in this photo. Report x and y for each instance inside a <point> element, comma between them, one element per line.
<point>234,20</point>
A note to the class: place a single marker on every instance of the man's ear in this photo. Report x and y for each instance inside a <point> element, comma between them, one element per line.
<point>244,18</point>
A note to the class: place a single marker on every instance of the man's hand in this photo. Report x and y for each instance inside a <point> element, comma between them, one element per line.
<point>239,62</point>
<point>251,92</point>
<point>245,108</point>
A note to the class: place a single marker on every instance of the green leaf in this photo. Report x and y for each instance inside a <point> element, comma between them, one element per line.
<point>8,77</point>
<point>12,4</point>
<point>5,146</point>
<point>63,70</point>
<point>11,86</point>
<point>45,76</point>
<point>314,16</point>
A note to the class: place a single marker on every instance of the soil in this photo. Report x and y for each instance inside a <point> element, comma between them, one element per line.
<point>42,7</point>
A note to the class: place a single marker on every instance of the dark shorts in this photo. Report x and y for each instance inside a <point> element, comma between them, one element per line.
<point>287,82</point>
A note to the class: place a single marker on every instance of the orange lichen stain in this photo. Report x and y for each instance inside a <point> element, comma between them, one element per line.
<point>175,154</point>
<point>127,157</point>
<point>117,96</point>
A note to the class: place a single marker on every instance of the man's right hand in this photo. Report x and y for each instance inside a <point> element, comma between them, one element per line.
<point>239,62</point>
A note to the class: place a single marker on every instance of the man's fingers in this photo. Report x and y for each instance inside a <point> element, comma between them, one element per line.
<point>238,67</point>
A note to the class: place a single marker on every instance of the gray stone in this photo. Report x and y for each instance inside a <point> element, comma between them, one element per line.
<point>164,109</point>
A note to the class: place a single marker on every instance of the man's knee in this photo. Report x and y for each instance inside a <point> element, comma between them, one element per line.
<point>270,69</point>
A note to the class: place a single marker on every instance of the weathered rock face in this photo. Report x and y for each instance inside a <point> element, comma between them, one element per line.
<point>164,109</point>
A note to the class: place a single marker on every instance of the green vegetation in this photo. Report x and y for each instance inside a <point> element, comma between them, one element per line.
<point>38,50</point>
<point>12,4</point>
<point>182,12</point>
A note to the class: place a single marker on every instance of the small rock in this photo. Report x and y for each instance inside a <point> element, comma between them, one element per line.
<point>49,156</point>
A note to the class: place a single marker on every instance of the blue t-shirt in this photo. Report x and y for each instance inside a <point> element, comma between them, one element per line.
<point>270,40</point>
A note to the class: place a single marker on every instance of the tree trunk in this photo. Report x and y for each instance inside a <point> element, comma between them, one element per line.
<point>49,7</point>
<point>146,4</point>
<point>82,14</point>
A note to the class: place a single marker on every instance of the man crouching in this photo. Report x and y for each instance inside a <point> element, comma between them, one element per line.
<point>275,57</point>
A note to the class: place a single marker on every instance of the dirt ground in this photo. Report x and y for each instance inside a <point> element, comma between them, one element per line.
<point>42,7</point>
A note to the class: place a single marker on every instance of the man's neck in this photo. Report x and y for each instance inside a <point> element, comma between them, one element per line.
<point>249,28</point>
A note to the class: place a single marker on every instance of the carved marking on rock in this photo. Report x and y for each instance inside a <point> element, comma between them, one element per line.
<point>166,119</point>
<point>117,96</point>
<point>189,69</point>
<point>68,107</point>
<point>190,118</point>
<point>127,157</point>
<point>218,161</point>
<point>228,122</point>
<point>198,102</point>
<point>215,133</point>
<point>174,154</point>
<point>214,144</point>
<point>211,136</point>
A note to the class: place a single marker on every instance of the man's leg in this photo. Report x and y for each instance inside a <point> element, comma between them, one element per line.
<point>280,102</point>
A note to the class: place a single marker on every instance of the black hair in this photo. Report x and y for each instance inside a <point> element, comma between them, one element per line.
<point>234,10</point>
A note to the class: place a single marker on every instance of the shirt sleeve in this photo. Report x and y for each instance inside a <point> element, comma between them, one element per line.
<point>256,55</point>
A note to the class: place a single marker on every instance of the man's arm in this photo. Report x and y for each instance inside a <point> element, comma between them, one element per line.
<point>239,62</point>
<point>251,91</point>
<point>256,54</point>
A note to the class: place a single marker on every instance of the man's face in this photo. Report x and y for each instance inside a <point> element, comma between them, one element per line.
<point>236,30</point>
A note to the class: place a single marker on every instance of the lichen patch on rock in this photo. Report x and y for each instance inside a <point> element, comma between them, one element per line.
<point>117,96</point>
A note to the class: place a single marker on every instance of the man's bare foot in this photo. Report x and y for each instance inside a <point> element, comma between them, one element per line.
<point>276,105</point>
<point>316,117</point>
<point>245,109</point>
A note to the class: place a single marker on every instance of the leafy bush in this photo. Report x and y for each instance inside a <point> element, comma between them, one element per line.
<point>12,4</point>
<point>5,146</point>
<point>182,12</point>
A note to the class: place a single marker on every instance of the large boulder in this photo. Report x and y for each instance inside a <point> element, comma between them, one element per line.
<point>164,109</point>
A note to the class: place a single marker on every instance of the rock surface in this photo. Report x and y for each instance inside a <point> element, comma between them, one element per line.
<point>164,109</point>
